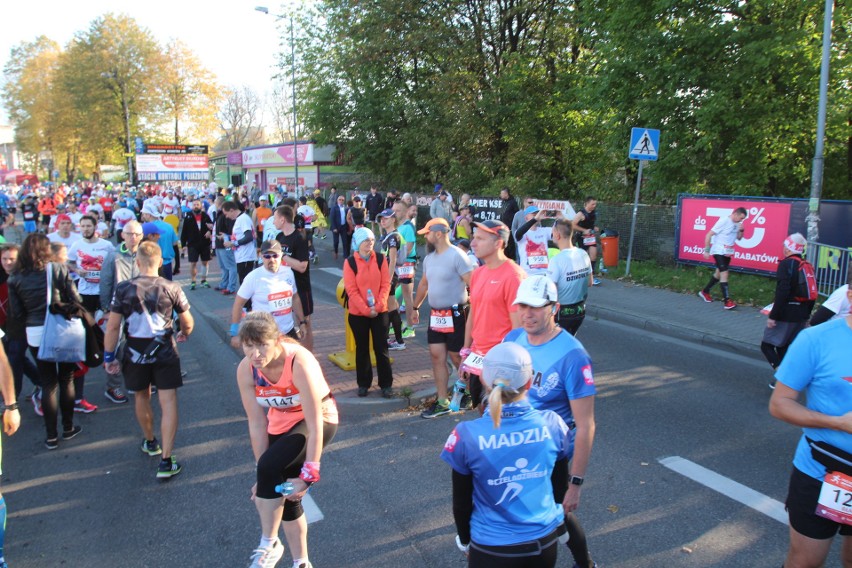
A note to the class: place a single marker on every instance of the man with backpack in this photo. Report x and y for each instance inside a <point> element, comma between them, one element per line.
<point>795,294</point>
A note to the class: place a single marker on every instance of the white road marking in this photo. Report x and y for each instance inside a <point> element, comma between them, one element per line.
<point>312,512</point>
<point>728,487</point>
<point>333,271</point>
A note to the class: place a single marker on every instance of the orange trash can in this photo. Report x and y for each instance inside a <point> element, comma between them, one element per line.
<point>609,245</point>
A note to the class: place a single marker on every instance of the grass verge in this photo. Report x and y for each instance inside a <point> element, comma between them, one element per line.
<point>745,289</point>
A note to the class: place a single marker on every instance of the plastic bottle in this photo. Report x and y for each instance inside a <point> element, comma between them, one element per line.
<point>458,392</point>
<point>371,300</point>
<point>285,488</point>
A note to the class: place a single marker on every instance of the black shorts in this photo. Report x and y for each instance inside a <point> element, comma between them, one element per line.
<point>802,497</point>
<point>45,219</point>
<point>722,262</point>
<point>193,254</point>
<point>164,375</point>
<point>307,299</point>
<point>454,340</point>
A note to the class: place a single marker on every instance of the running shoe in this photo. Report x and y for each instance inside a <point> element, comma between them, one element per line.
<point>36,400</point>
<point>168,468</point>
<point>596,282</point>
<point>267,557</point>
<point>729,304</point>
<point>116,395</point>
<point>387,392</point>
<point>84,406</point>
<point>393,345</point>
<point>315,259</point>
<point>437,409</point>
<point>204,284</point>
<point>226,292</point>
<point>70,434</point>
<point>362,392</point>
<point>408,333</point>
<point>192,285</point>
<point>705,296</point>
<point>51,444</point>
<point>151,447</point>
<point>466,402</point>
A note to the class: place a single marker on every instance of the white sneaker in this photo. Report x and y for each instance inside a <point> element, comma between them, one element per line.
<point>267,557</point>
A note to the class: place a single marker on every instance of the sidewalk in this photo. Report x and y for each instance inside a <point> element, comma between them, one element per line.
<point>683,316</point>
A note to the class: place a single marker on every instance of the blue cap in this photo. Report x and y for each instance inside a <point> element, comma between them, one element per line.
<point>150,229</point>
<point>531,209</point>
<point>438,187</point>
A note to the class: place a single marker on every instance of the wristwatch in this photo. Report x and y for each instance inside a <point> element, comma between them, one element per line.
<point>576,480</point>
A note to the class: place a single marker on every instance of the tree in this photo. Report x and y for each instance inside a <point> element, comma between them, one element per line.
<point>190,93</point>
<point>240,117</point>
<point>280,106</point>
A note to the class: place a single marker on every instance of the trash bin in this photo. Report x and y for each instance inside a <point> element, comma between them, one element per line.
<point>609,247</point>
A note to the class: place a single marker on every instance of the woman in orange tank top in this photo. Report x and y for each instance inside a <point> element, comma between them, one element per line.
<point>292,416</point>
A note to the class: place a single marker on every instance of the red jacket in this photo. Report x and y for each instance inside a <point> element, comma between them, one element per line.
<point>370,276</point>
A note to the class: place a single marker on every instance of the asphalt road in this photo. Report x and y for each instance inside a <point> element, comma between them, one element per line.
<point>385,494</point>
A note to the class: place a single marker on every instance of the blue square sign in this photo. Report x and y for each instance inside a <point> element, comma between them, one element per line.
<point>644,144</point>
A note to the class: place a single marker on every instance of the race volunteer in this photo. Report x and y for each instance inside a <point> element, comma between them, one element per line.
<point>723,235</point>
<point>507,467</point>
<point>564,383</point>
<point>531,239</point>
<point>448,269</point>
<point>585,227</point>
<point>493,287</point>
<point>287,440</point>
<point>270,288</point>
<point>818,365</point>
<point>571,270</point>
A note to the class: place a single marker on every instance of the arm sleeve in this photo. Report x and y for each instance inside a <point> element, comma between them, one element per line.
<point>463,504</point>
<point>822,315</point>
<point>522,230</point>
<point>246,238</point>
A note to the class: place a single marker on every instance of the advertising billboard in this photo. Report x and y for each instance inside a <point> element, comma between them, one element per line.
<point>172,167</point>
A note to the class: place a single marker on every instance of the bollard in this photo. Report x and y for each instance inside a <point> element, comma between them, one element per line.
<point>346,359</point>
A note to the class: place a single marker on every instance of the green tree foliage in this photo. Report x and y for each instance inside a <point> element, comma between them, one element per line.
<point>540,95</point>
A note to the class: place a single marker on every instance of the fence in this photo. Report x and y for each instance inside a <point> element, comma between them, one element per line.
<point>831,265</point>
<point>655,230</point>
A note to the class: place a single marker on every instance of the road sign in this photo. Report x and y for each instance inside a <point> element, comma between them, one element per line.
<point>644,144</point>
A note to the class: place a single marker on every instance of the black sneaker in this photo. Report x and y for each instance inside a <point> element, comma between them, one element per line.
<point>51,444</point>
<point>168,468</point>
<point>362,392</point>
<point>437,409</point>
<point>115,395</point>
<point>387,392</point>
<point>67,435</point>
<point>466,402</point>
<point>151,447</point>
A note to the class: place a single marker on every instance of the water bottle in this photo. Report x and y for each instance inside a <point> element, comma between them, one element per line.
<point>458,392</point>
<point>285,488</point>
<point>371,300</point>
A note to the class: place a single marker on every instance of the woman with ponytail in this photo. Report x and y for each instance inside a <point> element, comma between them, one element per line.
<point>506,465</point>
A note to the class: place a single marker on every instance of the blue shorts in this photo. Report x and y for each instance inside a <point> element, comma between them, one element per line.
<point>29,226</point>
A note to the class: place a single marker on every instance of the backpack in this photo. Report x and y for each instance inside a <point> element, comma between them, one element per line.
<point>380,258</point>
<point>805,289</point>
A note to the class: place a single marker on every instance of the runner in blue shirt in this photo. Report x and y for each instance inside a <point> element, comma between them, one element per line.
<point>506,467</point>
<point>563,382</point>
<point>818,363</point>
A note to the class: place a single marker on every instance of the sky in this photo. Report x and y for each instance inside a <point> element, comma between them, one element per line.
<point>233,40</point>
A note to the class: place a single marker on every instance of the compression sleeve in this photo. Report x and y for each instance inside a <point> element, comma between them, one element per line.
<point>822,315</point>
<point>522,230</point>
<point>463,504</point>
<point>246,238</point>
<point>559,479</point>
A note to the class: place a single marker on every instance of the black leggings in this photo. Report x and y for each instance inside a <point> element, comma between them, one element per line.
<point>51,377</point>
<point>283,460</point>
<point>494,558</point>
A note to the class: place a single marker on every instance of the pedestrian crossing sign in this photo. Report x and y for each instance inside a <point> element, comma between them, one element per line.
<point>644,143</point>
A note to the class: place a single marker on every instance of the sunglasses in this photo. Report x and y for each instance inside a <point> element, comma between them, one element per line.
<point>267,256</point>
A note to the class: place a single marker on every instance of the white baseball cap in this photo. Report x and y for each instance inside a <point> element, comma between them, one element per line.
<point>538,290</point>
<point>508,362</point>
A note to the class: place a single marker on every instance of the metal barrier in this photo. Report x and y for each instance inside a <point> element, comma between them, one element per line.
<point>831,265</point>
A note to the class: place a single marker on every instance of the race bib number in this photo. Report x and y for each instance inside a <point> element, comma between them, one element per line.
<point>474,363</point>
<point>835,498</point>
<point>441,321</point>
<point>537,261</point>
<point>28,215</point>
<point>280,303</point>
<point>729,251</point>
<point>406,270</point>
<point>92,276</point>
<point>589,241</point>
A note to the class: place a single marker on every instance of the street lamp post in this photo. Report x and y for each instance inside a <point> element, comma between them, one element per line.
<point>125,107</point>
<point>265,10</point>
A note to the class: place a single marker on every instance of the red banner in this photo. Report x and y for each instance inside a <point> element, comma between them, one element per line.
<point>761,247</point>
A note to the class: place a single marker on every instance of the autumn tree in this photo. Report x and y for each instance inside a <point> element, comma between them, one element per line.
<point>190,95</point>
<point>240,118</point>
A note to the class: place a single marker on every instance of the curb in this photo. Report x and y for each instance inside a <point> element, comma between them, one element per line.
<point>678,331</point>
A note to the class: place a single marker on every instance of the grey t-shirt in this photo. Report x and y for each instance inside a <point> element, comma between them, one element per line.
<point>444,272</point>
